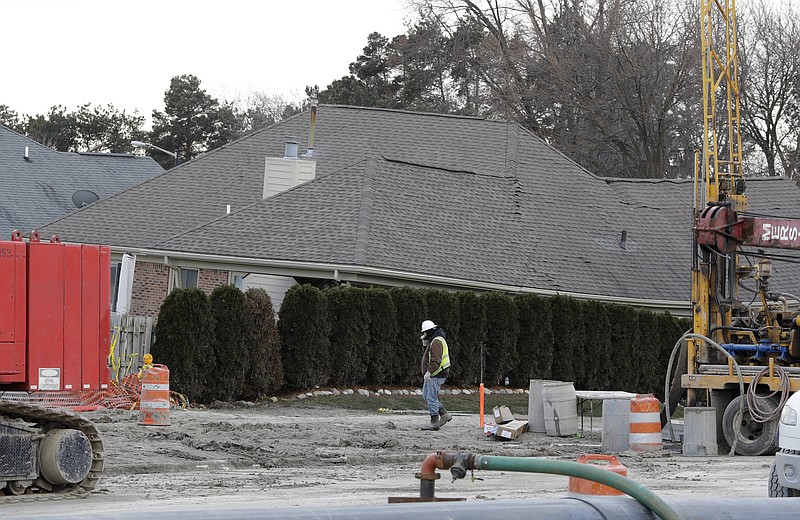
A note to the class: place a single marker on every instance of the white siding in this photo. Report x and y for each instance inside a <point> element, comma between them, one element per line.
<point>276,286</point>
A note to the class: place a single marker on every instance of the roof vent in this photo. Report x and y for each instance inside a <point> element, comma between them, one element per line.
<point>623,241</point>
<point>290,150</point>
<point>25,155</point>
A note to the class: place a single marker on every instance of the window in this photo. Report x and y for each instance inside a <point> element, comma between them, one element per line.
<point>237,280</point>
<point>188,278</point>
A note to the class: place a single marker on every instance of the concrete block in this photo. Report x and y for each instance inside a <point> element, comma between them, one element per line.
<point>616,425</point>
<point>700,432</point>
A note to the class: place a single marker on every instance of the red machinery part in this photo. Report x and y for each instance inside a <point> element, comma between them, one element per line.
<point>13,314</point>
<point>722,229</point>
<point>55,315</point>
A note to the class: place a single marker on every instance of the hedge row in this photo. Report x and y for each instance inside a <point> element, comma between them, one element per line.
<point>220,347</point>
<point>229,346</point>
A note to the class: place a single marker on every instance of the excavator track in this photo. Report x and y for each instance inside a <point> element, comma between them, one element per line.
<point>67,420</point>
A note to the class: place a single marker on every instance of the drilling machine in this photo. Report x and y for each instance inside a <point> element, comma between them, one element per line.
<point>742,325</point>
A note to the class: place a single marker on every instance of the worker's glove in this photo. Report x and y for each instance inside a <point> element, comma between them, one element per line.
<point>427,376</point>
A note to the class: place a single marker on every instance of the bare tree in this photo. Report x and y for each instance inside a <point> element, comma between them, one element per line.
<point>612,83</point>
<point>770,50</point>
<point>261,109</point>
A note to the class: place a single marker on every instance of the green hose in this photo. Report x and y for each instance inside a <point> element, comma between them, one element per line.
<point>586,471</point>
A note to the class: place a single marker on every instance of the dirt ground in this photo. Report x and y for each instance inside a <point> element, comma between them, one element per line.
<point>273,456</point>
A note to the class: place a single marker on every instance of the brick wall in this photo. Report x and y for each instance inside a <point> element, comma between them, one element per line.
<point>151,283</point>
<point>210,279</point>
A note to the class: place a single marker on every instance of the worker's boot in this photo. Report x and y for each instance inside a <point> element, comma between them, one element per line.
<point>433,425</point>
<point>444,417</point>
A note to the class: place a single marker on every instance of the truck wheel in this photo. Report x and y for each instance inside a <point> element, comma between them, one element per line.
<point>775,488</point>
<point>754,438</point>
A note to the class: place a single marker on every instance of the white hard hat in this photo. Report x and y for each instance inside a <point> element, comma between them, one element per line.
<point>428,325</point>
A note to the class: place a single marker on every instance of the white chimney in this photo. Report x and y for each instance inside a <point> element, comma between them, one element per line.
<point>291,170</point>
<point>25,155</point>
<point>281,174</point>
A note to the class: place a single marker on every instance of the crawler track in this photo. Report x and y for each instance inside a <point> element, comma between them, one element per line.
<point>68,420</point>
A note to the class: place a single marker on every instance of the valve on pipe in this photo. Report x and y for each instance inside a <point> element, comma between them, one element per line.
<point>427,483</point>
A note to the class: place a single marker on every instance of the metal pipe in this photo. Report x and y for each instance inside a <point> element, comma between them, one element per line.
<point>568,508</point>
<point>312,129</point>
<point>761,348</point>
<point>427,477</point>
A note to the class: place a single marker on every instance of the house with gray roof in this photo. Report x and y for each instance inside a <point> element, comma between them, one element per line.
<point>387,197</point>
<point>40,185</point>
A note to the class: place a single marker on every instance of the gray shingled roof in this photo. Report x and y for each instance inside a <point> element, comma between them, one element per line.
<point>445,196</point>
<point>200,190</point>
<point>39,190</point>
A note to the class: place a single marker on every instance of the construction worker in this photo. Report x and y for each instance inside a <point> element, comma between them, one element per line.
<point>435,367</point>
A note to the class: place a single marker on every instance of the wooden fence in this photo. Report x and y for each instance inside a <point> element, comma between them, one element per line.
<point>131,337</point>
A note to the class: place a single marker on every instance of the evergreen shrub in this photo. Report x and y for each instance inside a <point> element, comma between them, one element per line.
<point>349,334</point>
<point>381,355</point>
<point>466,369</point>
<point>597,347</point>
<point>567,340</point>
<point>646,356</point>
<point>502,330</point>
<point>232,329</point>
<point>410,312</point>
<point>535,342</point>
<point>264,349</point>
<point>183,338</point>
<point>304,332</point>
<point>624,321</point>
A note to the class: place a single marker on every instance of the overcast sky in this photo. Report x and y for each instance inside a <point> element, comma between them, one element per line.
<point>71,52</point>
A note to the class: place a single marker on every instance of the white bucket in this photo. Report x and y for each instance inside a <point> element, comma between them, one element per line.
<point>560,409</point>
<point>616,425</point>
<point>536,405</point>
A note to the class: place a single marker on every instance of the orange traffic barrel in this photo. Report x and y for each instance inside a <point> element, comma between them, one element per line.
<point>590,487</point>
<point>154,402</point>
<point>645,423</point>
